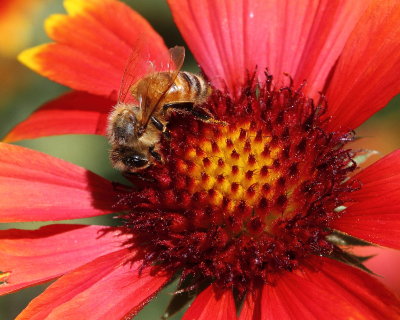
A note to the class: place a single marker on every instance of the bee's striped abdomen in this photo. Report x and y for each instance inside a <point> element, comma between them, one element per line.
<point>194,87</point>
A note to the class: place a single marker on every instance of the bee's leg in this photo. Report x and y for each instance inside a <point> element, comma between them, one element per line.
<point>160,126</point>
<point>186,106</point>
<point>155,154</point>
<point>189,107</point>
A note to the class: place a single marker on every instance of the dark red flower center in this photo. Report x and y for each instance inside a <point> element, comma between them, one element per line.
<point>236,204</point>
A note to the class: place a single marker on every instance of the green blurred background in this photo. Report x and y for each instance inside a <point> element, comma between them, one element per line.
<point>22,91</point>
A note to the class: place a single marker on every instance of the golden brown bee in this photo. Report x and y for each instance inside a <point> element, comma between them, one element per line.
<point>135,127</point>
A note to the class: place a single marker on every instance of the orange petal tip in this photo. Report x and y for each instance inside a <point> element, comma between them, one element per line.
<point>30,57</point>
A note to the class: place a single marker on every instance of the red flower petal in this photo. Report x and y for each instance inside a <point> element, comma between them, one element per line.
<point>303,38</point>
<point>367,74</point>
<point>212,304</point>
<point>30,257</point>
<point>106,288</point>
<point>337,291</point>
<point>334,21</point>
<point>72,113</point>
<point>384,263</point>
<point>251,306</point>
<point>375,214</point>
<point>37,187</point>
<point>92,46</point>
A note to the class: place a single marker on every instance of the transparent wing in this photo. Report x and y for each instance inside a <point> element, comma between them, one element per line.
<point>136,68</point>
<point>157,84</point>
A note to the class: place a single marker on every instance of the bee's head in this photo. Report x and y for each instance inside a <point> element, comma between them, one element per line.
<point>128,159</point>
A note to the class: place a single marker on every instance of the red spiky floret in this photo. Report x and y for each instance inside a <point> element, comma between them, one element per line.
<point>238,203</point>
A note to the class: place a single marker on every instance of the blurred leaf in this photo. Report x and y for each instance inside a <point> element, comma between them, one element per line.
<point>350,259</point>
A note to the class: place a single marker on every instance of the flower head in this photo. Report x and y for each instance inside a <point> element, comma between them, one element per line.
<point>254,213</point>
<point>242,202</point>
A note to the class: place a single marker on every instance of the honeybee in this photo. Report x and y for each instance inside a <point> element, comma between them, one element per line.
<point>140,117</point>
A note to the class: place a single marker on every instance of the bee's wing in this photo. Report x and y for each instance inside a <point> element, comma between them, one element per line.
<point>135,70</point>
<point>141,62</point>
<point>163,84</point>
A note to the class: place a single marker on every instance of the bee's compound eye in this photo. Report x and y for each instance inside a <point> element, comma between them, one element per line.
<point>136,161</point>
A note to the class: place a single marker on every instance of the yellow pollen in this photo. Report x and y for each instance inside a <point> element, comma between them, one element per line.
<point>236,164</point>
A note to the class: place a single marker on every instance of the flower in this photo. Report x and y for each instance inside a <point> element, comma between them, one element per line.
<point>258,212</point>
